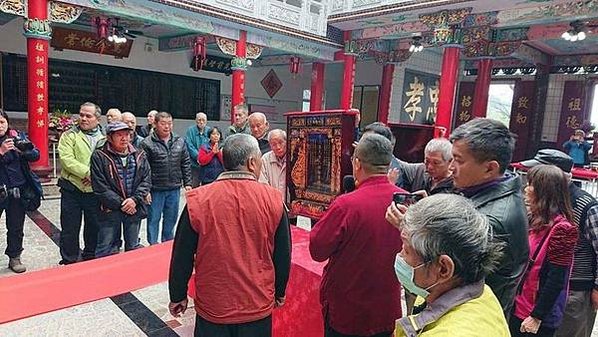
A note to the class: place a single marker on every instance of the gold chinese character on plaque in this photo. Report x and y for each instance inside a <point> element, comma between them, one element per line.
<point>40,72</point>
<point>40,84</point>
<point>574,104</point>
<point>573,122</point>
<point>464,116</point>
<point>40,97</point>
<point>87,42</point>
<point>40,59</point>
<point>523,102</point>
<point>39,46</point>
<point>433,92</point>
<point>521,119</point>
<point>40,110</point>
<point>40,123</point>
<point>415,97</point>
<point>466,101</point>
<point>71,39</point>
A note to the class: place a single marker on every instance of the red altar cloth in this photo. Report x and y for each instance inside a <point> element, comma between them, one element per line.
<point>576,172</point>
<point>301,315</point>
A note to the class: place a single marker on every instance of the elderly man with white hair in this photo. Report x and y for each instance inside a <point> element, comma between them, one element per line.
<point>131,121</point>
<point>258,125</point>
<point>113,115</point>
<point>274,163</point>
<point>448,250</point>
<point>145,130</point>
<point>434,174</point>
<point>196,136</point>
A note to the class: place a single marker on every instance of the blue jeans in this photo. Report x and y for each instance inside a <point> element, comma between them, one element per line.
<point>167,203</point>
<point>110,230</point>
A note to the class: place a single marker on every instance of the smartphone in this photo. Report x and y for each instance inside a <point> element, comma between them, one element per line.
<point>406,199</point>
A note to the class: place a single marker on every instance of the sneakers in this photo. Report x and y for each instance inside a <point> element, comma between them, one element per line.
<point>15,265</point>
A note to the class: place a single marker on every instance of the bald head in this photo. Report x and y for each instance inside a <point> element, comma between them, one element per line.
<point>113,115</point>
<point>258,125</point>
<point>129,119</point>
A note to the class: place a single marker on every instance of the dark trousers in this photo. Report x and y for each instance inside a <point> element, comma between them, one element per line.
<point>195,181</point>
<point>15,219</point>
<point>330,332</point>
<point>111,226</point>
<point>75,206</point>
<point>579,315</point>
<point>515,326</point>
<point>261,328</point>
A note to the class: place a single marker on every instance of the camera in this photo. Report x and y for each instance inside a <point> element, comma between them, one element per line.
<point>406,199</point>
<point>23,144</point>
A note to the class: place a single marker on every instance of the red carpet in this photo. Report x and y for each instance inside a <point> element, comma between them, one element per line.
<point>42,291</point>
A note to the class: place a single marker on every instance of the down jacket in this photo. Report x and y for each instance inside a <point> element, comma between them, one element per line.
<point>170,163</point>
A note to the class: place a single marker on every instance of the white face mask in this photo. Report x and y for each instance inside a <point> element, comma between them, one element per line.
<point>406,273</point>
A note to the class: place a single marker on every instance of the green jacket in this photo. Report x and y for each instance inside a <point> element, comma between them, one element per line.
<point>75,151</point>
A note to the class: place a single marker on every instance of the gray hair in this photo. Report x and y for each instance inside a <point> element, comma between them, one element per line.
<point>449,224</point>
<point>258,115</point>
<point>237,150</point>
<point>487,140</point>
<point>162,115</point>
<point>201,114</point>
<point>242,107</point>
<point>152,113</point>
<point>98,110</point>
<point>277,132</point>
<point>374,152</point>
<point>442,145</point>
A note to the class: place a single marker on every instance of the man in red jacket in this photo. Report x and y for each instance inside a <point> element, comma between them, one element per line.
<point>240,247</point>
<point>360,293</point>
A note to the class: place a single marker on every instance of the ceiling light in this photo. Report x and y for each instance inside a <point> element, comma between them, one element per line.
<point>573,38</point>
<point>416,46</point>
<point>581,36</point>
<point>110,38</point>
<point>566,36</point>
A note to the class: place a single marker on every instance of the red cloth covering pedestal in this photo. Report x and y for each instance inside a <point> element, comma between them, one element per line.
<point>301,315</point>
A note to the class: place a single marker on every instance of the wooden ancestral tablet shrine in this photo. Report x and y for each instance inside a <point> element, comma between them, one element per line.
<point>319,156</point>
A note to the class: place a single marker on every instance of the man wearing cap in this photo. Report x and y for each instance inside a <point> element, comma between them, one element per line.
<point>580,312</point>
<point>121,179</point>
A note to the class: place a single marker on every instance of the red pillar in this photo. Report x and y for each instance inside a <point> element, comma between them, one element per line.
<point>348,76</point>
<point>317,86</point>
<point>482,87</point>
<point>239,67</point>
<point>37,30</point>
<point>448,86</point>
<point>385,92</point>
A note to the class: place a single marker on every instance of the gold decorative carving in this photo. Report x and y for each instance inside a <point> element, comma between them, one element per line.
<point>229,47</point>
<point>445,18</point>
<point>16,7</point>
<point>64,13</point>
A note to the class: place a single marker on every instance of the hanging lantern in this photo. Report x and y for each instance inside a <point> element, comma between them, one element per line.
<point>102,26</point>
<point>294,65</point>
<point>199,53</point>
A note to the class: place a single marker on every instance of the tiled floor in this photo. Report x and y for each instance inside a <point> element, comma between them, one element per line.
<point>142,312</point>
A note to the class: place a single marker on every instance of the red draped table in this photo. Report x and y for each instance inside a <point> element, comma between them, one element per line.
<point>301,315</point>
<point>587,176</point>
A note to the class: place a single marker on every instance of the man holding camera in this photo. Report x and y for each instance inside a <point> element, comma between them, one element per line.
<point>77,199</point>
<point>360,294</point>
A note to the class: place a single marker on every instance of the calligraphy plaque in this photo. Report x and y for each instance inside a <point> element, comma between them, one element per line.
<point>521,112</point>
<point>419,98</point>
<point>64,38</point>
<point>464,106</point>
<point>572,111</point>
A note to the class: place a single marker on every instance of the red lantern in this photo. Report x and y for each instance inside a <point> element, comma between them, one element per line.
<point>199,52</point>
<point>294,66</point>
<point>102,26</point>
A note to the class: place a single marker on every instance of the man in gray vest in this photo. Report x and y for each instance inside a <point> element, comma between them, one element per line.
<point>580,312</point>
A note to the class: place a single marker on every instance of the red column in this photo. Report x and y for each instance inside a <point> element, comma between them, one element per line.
<point>482,87</point>
<point>448,86</point>
<point>385,92</point>
<point>239,67</point>
<point>37,30</point>
<point>317,86</point>
<point>348,75</point>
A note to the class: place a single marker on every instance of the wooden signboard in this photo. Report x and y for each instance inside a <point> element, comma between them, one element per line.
<point>64,38</point>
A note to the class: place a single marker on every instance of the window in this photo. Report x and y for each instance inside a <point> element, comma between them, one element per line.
<point>365,99</point>
<point>500,99</point>
<point>306,98</point>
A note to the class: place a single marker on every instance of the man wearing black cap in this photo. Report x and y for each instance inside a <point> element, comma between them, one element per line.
<point>582,303</point>
<point>120,177</point>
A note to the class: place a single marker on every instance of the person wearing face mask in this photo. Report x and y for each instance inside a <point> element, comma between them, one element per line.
<point>240,248</point>
<point>15,178</point>
<point>359,293</point>
<point>448,250</point>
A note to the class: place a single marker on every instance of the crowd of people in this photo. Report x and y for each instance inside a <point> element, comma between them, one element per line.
<point>478,251</point>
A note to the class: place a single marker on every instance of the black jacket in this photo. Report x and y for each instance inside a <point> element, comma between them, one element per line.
<point>170,163</point>
<point>503,205</point>
<point>110,188</point>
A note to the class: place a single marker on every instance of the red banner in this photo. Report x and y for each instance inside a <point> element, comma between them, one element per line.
<point>464,108</point>
<point>572,111</point>
<point>64,38</point>
<point>521,111</point>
